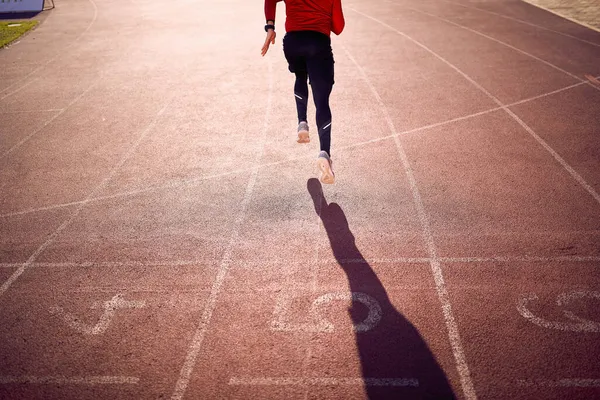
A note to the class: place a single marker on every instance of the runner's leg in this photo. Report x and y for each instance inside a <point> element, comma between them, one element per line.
<point>301,94</point>
<point>321,74</point>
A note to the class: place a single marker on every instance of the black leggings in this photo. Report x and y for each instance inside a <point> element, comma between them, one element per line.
<point>309,56</point>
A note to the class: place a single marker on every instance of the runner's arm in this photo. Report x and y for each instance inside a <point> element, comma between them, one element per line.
<point>270,8</point>
<point>337,20</point>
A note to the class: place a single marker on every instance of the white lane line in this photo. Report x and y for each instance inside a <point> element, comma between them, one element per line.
<point>49,121</point>
<point>543,143</point>
<point>504,44</point>
<point>196,344</point>
<point>92,194</point>
<point>60,53</point>
<point>563,16</point>
<point>330,381</point>
<point>524,22</point>
<point>188,182</point>
<point>424,260</point>
<point>594,80</point>
<point>407,260</point>
<point>313,286</point>
<point>254,264</point>
<point>258,264</point>
<point>31,111</point>
<point>516,103</point>
<point>451,326</point>
<point>113,264</point>
<point>75,380</point>
<point>519,259</point>
<point>305,365</point>
<point>567,382</point>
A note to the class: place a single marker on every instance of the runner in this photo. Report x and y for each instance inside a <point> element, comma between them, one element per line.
<point>307,48</point>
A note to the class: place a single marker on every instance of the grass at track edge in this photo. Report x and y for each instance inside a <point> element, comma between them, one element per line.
<point>12,30</point>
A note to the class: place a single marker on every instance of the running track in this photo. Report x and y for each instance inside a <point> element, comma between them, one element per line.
<point>162,235</point>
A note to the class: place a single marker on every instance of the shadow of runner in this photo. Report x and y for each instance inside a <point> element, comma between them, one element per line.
<point>396,362</point>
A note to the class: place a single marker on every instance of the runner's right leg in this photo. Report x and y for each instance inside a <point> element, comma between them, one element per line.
<point>295,54</point>
<point>320,67</point>
<point>301,95</point>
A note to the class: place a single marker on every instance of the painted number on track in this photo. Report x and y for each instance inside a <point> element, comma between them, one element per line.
<point>317,322</point>
<point>576,324</point>
<point>109,308</point>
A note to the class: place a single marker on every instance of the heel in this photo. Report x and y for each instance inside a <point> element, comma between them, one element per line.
<point>303,137</point>
<point>326,173</point>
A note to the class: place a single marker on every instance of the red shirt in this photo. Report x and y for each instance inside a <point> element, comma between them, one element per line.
<point>323,16</point>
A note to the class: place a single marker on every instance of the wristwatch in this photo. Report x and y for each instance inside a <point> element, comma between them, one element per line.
<point>269,26</point>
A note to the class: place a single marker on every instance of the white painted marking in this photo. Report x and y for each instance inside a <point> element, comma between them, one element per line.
<point>110,307</point>
<point>579,324</point>
<point>566,298</point>
<point>593,79</point>
<point>77,380</point>
<point>327,126</point>
<point>373,260</point>
<point>372,319</point>
<point>451,326</point>
<point>320,324</point>
<point>31,111</point>
<point>60,53</point>
<point>545,94</point>
<point>113,264</point>
<point>524,22</point>
<point>281,316</point>
<point>211,302</point>
<point>568,382</point>
<point>313,286</point>
<point>330,381</point>
<point>400,260</point>
<point>545,145</point>
<point>13,25</point>
<point>519,259</point>
<point>297,96</point>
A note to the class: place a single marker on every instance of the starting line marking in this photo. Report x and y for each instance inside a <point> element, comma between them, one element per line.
<point>560,382</point>
<point>279,381</point>
<point>77,380</point>
<point>407,260</point>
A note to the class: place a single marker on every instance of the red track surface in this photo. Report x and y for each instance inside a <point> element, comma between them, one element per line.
<point>162,234</point>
